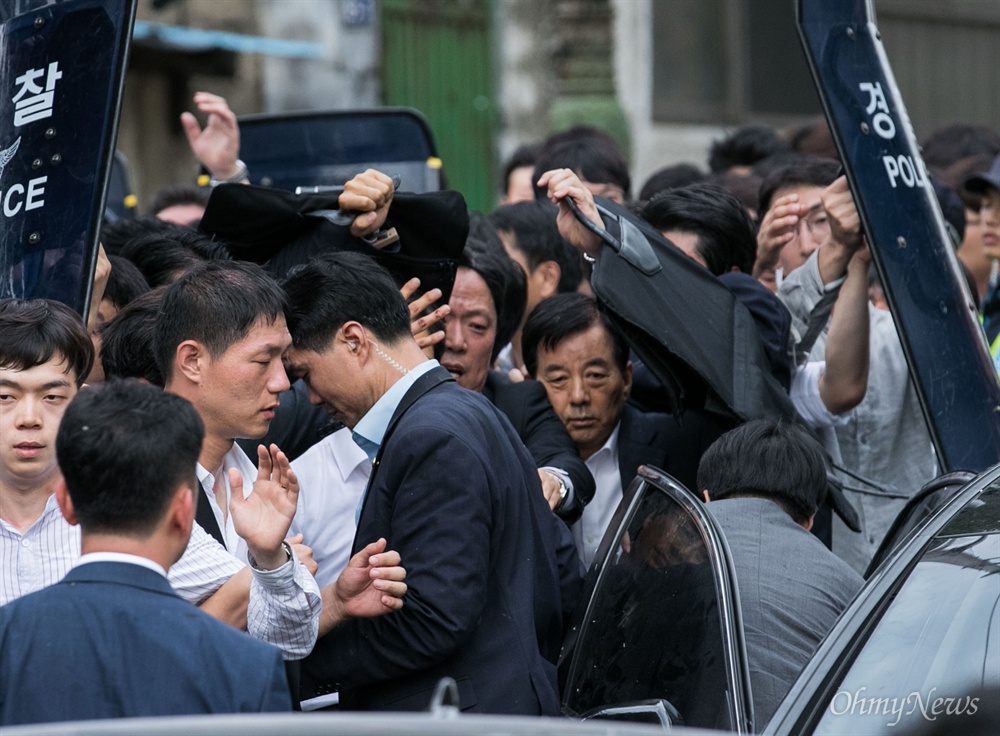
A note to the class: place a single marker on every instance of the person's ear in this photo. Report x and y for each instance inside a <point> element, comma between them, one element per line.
<point>354,336</point>
<point>182,510</point>
<point>808,523</point>
<point>189,360</point>
<point>550,274</point>
<point>65,503</point>
<point>627,379</point>
<point>704,494</point>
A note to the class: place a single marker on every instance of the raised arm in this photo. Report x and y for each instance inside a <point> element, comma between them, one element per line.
<point>217,145</point>
<point>845,380</point>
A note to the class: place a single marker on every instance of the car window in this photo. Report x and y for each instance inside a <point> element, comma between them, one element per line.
<point>653,629</point>
<point>936,647</point>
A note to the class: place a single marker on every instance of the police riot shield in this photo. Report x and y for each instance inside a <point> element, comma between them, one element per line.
<point>934,312</point>
<point>61,75</point>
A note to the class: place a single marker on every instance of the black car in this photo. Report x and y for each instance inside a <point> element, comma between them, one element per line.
<point>659,637</point>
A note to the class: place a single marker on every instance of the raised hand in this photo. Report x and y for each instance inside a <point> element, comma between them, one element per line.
<point>369,193</point>
<point>262,518</point>
<point>419,325</point>
<point>563,183</point>
<point>777,229</point>
<point>217,147</point>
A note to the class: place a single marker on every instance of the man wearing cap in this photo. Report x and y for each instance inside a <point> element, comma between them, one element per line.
<point>987,186</point>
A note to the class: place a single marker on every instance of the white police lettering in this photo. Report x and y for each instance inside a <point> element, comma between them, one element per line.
<point>20,196</point>
<point>905,169</point>
<point>881,121</point>
<point>33,101</point>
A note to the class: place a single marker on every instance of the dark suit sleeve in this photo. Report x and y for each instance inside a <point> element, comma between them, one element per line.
<point>441,524</point>
<point>277,698</point>
<point>546,438</point>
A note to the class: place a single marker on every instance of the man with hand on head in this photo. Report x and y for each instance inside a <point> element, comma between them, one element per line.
<point>113,639</point>
<point>220,339</point>
<point>452,488</point>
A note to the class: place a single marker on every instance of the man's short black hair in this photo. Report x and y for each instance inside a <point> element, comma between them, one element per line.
<point>125,282</point>
<point>173,196</point>
<point>770,459</point>
<point>507,284</point>
<point>127,349</point>
<point>34,331</point>
<point>114,235</point>
<point>341,287</point>
<point>533,225</point>
<point>563,316</point>
<point>804,171</point>
<point>670,177</point>
<point>726,234</point>
<point>745,147</point>
<point>523,156</point>
<point>163,256</point>
<point>124,448</point>
<point>592,153</point>
<point>216,303</point>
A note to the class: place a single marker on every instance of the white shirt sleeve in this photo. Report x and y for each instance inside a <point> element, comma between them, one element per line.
<point>807,401</point>
<point>204,567</point>
<point>284,609</point>
<point>284,603</point>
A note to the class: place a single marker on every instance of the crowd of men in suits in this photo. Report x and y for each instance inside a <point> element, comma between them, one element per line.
<point>382,490</point>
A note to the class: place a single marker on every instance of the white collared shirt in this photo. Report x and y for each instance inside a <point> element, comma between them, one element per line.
<point>589,530</point>
<point>374,424</point>
<point>123,558</point>
<point>332,477</point>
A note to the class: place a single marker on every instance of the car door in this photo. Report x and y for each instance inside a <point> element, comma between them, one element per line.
<point>919,643</point>
<point>658,636</point>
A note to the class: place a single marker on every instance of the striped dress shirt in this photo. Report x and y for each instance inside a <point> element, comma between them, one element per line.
<point>284,603</point>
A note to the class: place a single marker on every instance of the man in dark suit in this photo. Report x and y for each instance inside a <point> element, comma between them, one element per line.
<point>452,489</point>
<point>581,359</point>
<point>113,639</point>
<point>486,305</point>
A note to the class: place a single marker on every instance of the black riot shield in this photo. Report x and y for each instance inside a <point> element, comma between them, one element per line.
<point>945,347</point>
<point>61,77</point>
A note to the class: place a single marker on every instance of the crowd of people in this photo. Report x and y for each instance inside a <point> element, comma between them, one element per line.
<point>384,483</point>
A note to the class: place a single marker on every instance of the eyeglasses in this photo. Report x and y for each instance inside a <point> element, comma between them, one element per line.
<point>817,222</point>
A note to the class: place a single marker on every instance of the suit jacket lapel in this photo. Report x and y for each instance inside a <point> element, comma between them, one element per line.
<point>430,380</point>
<point>205,516</point>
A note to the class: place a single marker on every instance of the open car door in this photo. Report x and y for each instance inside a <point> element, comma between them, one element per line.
<point>658,636</point>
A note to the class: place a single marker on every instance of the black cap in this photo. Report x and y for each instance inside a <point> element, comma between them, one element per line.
<point>979,183</point>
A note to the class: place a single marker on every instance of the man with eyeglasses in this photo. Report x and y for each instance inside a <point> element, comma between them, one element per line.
<point>794,223</point>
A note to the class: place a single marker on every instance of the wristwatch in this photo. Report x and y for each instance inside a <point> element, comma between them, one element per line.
<point>255,566</point>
